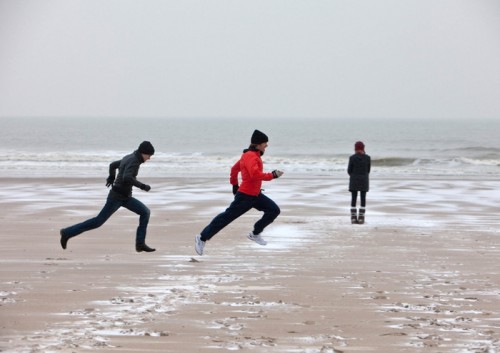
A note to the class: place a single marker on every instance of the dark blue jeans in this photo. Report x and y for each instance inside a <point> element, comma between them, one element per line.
<point>112,205</point>
<point>243,203</point>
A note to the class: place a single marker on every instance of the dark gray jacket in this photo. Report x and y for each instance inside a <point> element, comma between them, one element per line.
<point>358,170</point>
<point>128,168</point>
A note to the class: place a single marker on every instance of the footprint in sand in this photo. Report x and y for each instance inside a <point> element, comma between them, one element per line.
<point>329,349</point>
<point>394,334</point>
<point>380,295</point>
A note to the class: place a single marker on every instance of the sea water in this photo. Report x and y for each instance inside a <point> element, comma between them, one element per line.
<point>84,147</point>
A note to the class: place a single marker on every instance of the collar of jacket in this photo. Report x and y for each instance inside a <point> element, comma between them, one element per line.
<point>139,156</point>
<point>253,149</point>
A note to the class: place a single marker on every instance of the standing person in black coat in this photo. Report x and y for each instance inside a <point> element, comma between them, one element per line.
<point>120,195</point>
<point>359,170</point>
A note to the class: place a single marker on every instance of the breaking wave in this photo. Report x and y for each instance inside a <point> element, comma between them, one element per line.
<point>96,164</point>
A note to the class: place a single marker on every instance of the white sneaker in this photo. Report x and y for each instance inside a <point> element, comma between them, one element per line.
<point>256,238</point>
<point>199,245</point>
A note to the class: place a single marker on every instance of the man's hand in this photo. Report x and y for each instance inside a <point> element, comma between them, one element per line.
<point>145,187</point>
<point>235,189</point>
<point>277,173</point>
<point>110,181</point>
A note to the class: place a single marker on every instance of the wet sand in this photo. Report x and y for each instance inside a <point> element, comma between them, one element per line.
<point>421,275</point>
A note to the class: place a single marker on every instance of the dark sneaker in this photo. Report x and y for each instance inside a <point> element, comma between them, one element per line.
<point>143,247</point>
<point>64,239</point>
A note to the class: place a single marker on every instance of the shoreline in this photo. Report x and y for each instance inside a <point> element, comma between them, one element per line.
<point>293,176</point>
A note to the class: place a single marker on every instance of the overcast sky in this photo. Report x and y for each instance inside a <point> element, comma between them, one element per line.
<point>254,58</point>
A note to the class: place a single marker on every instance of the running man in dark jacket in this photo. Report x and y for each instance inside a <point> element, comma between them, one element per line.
<point>359,170</point>
<point>248,195</point>
<point>120,195</point>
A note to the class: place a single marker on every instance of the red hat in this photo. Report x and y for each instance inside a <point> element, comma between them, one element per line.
<point>359,146</point>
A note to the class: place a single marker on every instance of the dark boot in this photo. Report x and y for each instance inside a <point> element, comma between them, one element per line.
<point>64,239</point>
<point>354,216</point>
<point>361,218</point>
<point>143,247</point>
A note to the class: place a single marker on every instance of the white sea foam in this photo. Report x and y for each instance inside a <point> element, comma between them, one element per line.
<point>85,147</point>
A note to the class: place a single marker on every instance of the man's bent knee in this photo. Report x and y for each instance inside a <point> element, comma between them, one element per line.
<point>273,212</point>
<point>145,214</point>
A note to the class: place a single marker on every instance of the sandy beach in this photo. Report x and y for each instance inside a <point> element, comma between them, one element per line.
<point>422,275</point>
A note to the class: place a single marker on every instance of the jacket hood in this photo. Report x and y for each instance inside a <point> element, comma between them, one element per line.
<point>253,149</point>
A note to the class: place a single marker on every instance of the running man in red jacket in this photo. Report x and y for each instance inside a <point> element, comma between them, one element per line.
<point>248,195</point>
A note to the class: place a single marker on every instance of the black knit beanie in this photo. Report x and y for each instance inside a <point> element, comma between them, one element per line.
<point>258,137</point>
<point>146,148</point>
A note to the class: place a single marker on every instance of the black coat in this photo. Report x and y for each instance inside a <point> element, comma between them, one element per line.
<point>128,168</point>
<point>358,170</point>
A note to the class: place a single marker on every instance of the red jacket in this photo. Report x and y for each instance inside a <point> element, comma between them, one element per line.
<point>251,168</point>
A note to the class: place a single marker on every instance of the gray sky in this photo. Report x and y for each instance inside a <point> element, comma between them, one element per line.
<point>258,58</point>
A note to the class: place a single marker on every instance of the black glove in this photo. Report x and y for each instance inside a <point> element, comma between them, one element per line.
<point>145,187</point>
<point>110,181</point>
<point>277,173</point>
<point>235,189</point>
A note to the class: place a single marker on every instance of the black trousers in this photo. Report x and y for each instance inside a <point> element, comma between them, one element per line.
<point>243,203</point>
<point>354,197</point>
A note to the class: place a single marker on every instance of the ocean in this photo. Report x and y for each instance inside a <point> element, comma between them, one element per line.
<point>84,147</point>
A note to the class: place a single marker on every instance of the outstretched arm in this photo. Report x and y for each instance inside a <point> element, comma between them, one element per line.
<point>129,176</point>
<point>256,173</point>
